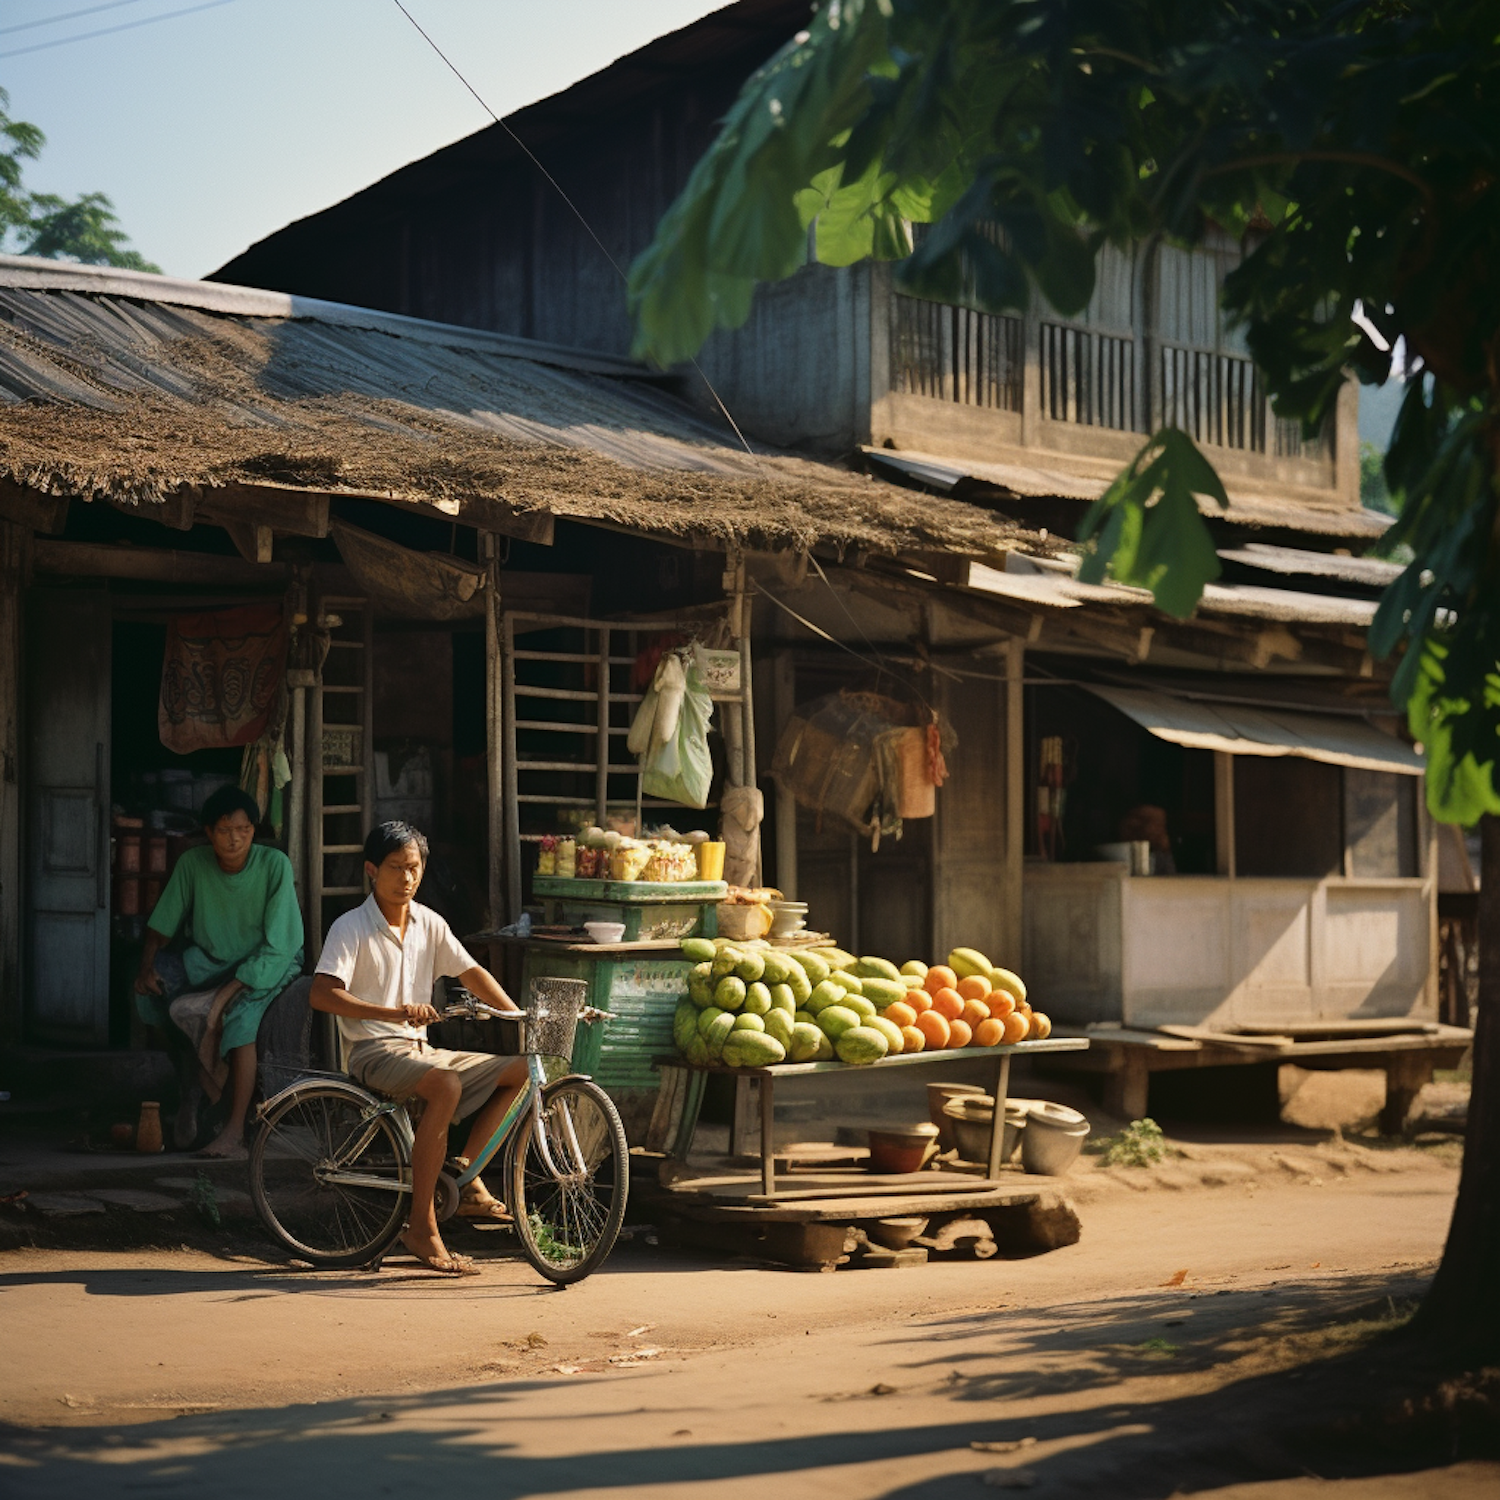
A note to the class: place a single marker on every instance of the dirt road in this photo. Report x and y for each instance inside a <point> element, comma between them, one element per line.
<point>182,1374</point>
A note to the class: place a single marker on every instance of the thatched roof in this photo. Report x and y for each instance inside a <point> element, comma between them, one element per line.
<point>122,386</point>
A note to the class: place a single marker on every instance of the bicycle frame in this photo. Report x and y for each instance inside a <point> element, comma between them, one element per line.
<point>529,1096</point>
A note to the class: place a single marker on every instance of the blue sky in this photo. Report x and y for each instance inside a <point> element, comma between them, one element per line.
<point>211,129</point>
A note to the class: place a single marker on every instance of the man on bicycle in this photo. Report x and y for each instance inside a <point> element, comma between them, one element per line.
<point>376,974</point>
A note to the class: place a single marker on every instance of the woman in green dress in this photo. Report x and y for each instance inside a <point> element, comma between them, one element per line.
<point>237,902</point>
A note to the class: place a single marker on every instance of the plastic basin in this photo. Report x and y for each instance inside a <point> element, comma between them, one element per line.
<point>1054,1138</point>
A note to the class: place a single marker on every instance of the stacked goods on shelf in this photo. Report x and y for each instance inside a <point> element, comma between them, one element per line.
<point>751,1005</point>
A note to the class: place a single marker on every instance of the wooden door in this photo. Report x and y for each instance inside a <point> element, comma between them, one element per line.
<point>67,761</point>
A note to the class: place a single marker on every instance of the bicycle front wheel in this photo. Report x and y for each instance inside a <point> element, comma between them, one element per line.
<point>568,1210</point>
<point>330,1176</point>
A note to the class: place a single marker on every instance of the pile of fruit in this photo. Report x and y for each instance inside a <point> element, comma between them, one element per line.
<point>750,1005</point>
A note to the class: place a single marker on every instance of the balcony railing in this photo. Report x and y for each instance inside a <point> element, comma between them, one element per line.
<point>956,354</point>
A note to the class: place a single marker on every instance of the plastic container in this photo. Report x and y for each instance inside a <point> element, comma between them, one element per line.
<point>605,932</point>
<point>901,1148</point>
<point>1054,1137</point>
<point>710,860</point>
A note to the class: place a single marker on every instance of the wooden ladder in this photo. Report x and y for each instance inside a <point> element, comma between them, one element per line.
<point>340,765</point>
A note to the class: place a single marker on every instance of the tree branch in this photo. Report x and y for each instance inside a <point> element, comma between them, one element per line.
<point>1349,158</point>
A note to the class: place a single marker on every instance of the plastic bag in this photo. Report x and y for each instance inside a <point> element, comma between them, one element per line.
<point>678,768</point>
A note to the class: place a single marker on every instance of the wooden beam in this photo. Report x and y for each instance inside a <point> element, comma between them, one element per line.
<point>485,514</point>
<point>1014,772</point>
<point>155,565</point>
<point>252,541</point>
<point>31,509</point>
<point>1224,813</point>
<point>176,511</point>
<point>290,512</point>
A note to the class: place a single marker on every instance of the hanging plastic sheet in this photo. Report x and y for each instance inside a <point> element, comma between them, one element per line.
<point>669,735</point>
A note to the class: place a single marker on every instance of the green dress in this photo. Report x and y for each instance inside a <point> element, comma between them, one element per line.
<point>245,926</point>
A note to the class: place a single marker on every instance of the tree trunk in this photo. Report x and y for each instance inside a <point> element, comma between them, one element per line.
<point>1461,1314</point>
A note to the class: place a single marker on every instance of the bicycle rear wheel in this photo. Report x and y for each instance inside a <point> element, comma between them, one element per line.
<point>315,1133</point>
<point>568,1220</point>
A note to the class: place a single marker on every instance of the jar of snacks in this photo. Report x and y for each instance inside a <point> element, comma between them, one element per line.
<point>590,861</point>
<point>566,859</point>
<point>546,859</point>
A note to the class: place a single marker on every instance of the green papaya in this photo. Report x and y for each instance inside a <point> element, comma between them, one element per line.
<point>825,1052</point>
<point>697,1051</point>
<point>828,993</point>
<point>684,1024</point>
<point>707,1016</point>
<point>836,958</point>
<point>700,950</point>
<point>701,984</point>
<point>859,1005</point>
<point>750,967</point>
<point>877,968</point>
<point>895,1042</point>
<point>782,998</point>
<point>799,983</point>
<point>757,998</point>
<point>753,1049</point>
<point>804,1018</point>
<point>729,993</point>
<point>747,1022</point>
<point>776,967</point>
<point>725,961</point>
<point>717,1034</point>
<point>814,967</point>
<point>850,982</point>
<point>806,1042</point>
<point>861,1045</point>
<point>779,1025</point>
<point>883,992</point>
<point>835,1020</point>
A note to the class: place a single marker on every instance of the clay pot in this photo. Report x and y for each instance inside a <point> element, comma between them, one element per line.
<point>148,1129</point>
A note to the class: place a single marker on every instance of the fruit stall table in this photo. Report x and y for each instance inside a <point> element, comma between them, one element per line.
<point>649,910</point>
<point>696,1077</point>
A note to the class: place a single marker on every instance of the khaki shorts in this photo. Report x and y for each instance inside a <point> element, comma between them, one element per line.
<point>394,1067</point>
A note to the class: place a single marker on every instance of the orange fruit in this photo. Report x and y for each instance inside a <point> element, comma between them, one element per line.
<point>1000,1003</point>
<point>900,1013</point>
<point>934,1027</point>
<point>1041,1026</point>
<point>948,1003</point>
<point>989,1033</point>
<point>973,987</point>
<point>960,1034</point>
<point>919,1000</point>
<point>1016,1027</point>
<point>974,1012</point>
<point>939,977</point>
<point>915,1039</point>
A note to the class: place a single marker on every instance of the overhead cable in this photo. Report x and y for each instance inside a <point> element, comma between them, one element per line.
<point>86,36</point>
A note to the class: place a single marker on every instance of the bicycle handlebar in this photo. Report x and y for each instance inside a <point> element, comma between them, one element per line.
<point>472,1009</point>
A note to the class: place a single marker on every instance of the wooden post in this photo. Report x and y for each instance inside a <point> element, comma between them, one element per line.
<point>497,831</point>
<point>1224,812</point>
<point>314,760</point>
<point>997,1130</point>
<point>1014,771</point>
<point>783,703</point>
<point>296,816</point>
<point>767,1135</point>
<point>15,548</point>
<point>510,789</point>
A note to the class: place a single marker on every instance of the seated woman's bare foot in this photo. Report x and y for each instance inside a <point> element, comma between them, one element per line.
<point>430,1250</point>
<point>226,1146</point>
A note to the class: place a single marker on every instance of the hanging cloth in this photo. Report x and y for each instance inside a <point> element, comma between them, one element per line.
<point>219,677</point>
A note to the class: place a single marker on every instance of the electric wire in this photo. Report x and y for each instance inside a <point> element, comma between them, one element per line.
<point>68,15</point>
<point>577,212</point>
<point>86,36</point>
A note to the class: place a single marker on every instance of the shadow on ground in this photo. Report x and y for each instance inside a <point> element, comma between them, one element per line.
<point>1113,1435</point>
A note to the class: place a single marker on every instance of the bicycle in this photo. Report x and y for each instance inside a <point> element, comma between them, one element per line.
<point>330,1165</point>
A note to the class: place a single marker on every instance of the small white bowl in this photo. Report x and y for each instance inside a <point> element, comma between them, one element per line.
<point>605,932</point>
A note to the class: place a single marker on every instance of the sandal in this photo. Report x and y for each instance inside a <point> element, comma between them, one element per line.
<point>445,1265</point>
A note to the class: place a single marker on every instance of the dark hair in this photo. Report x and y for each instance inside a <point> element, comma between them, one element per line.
<point>228,799</point>
<point>386,838</point>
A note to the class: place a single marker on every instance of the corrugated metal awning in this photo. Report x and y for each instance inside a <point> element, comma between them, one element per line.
<point>1241,730</point>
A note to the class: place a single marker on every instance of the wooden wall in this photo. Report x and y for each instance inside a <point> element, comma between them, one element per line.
<point>15,547</point>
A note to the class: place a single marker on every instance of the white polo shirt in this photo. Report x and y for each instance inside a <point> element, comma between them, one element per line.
<point>363,952</point>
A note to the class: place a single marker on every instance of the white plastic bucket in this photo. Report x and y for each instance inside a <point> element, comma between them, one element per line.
<point>1053,1138</point>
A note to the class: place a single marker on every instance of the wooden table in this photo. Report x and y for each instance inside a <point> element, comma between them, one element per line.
<point>769,1076</point>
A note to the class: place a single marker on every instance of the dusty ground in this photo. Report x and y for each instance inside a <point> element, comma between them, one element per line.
<point>1165,1354</point>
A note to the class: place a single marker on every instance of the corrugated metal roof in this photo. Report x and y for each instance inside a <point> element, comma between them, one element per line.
<point>1242,730</point>
<point>1249,507</point>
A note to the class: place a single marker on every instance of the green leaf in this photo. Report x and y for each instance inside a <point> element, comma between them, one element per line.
<point>1150,533</point>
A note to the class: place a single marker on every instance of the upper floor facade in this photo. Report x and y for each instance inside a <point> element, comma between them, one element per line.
<point>831,360</point>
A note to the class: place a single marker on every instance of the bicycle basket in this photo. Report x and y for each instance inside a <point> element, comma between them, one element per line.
<point>552,1007</point>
